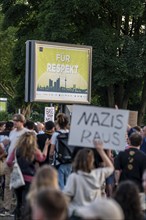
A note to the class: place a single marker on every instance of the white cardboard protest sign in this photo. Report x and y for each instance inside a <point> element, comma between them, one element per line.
<point>49,114</point>
<point>90,122</point>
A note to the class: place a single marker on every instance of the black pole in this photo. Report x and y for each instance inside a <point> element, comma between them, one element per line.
<point>62,108</point>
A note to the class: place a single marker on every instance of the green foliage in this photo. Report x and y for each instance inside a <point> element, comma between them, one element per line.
<point>68,21</point>
<point>95,100</point>
<point>115,29</point>
<point>37,116</point>
<point>4,116</point>
<point>7,42</point>
<point>17,12</point>
<point>131,7</point>
<point>6,4</point>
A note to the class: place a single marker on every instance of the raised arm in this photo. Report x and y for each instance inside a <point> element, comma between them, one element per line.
<point>52,149</point>
<point>99,147</point>
<point>45,150</point>
<point>41,156</point>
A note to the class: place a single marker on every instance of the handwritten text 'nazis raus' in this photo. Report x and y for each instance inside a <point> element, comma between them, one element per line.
<point>99,121</point>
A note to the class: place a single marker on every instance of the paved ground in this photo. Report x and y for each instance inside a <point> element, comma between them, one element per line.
<point>4,218</point>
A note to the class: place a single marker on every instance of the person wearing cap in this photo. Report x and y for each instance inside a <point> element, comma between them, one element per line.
<point>18,120</point>
<point>41,138</point>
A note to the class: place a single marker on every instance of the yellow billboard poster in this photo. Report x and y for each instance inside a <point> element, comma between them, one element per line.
<point>62,72</point>
<point>3,104</point>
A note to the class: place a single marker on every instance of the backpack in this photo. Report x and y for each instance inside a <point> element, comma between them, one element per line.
<point>64,152</point>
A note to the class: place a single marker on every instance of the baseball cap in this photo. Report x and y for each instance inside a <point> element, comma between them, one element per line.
<point>19,117</point>
<point>104,208</point>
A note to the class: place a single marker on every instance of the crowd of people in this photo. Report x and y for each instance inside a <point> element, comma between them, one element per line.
<point>96,184</point>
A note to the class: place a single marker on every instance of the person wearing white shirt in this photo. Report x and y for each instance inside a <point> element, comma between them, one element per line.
<point>15,134</point>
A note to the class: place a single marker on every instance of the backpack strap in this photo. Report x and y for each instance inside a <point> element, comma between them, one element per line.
<point>57,150</point>
<point>59,132</point>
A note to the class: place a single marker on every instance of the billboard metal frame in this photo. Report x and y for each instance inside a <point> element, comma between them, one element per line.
<point>31,71</point>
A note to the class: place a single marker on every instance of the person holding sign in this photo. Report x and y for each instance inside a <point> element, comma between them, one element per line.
<point>85,183</point>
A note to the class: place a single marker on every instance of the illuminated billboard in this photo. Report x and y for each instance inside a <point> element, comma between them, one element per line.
<point>3,104</point>
<point>58,72</point>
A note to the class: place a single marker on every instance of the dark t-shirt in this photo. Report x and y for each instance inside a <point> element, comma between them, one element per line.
<point>5,133</point>
<point>143,145</point>
<point>131,163</point>
<point>41,138</point>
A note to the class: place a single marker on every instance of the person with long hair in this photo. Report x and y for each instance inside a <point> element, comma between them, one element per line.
<point>49,204</point>
<point>85,183</point>
<point>63,169</point>
<point>127,195</point>
<point>27,153</point>
<point>46,177</point>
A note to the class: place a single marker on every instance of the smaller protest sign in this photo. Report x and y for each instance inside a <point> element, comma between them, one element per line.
<point>133,118</point>
<point>49,114</point>
<point>90,122</point>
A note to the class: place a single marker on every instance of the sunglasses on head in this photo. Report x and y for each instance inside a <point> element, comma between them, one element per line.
<point>15,120</point>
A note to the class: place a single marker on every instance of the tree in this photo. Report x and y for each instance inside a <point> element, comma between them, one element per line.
<point>115,29</point>
<point>24,22</point>
<point>7,42</point>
